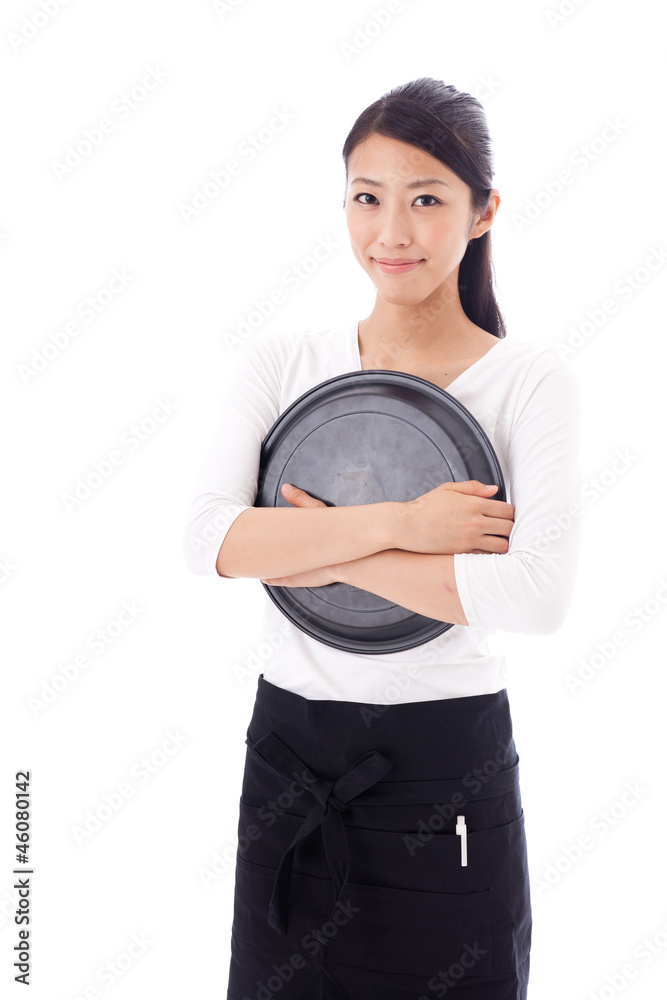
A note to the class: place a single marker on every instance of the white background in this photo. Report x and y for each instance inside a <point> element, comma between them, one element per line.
<point>548,85</point>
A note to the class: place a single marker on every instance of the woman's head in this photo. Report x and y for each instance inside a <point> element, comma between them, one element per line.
<point>422,130</point>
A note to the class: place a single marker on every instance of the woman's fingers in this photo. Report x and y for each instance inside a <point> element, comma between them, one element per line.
<point>299,497</point>
<point>498,526</point>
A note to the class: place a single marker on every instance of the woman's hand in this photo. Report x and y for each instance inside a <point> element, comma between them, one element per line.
<point>322,575</point>
<point>455,517</point>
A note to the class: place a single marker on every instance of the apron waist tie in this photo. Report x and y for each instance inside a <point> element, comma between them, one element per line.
<point>332,797</point>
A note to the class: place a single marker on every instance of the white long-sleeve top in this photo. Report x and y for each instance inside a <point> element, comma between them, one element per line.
<point>528,402</point>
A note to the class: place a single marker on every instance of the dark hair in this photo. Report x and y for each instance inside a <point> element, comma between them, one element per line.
<point>451,126</point>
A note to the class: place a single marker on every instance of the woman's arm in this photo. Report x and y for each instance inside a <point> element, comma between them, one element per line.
<point>527,588</point>
<point>228,536</point>
<point>454,517</point>
<point>418,581</point>
<point>266,540</point>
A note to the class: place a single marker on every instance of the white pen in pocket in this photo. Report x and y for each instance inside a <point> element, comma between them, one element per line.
<point>462,831</point>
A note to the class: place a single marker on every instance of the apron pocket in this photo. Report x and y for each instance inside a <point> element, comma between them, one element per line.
<point>405,896</point>
<point>372,927</point>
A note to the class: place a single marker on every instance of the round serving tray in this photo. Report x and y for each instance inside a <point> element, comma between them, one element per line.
<point>359,438</point>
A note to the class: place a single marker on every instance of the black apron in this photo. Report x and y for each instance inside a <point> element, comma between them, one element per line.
<point>382,852</point>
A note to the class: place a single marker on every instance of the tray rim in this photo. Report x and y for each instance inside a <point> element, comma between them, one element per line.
<point>278,428</point>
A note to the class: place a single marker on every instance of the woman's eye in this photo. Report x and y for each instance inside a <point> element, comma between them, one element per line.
<point>366,194</point>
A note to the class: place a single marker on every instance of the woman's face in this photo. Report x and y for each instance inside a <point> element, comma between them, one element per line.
<point>393,215</point>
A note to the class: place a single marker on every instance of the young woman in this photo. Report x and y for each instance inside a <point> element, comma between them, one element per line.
<point>382,850</point>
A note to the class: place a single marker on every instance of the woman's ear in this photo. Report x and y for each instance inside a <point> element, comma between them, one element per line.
<point>485,219</point>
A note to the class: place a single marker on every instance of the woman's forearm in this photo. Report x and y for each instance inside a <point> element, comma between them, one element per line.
<point>278,541</point>
<point>418,581</point>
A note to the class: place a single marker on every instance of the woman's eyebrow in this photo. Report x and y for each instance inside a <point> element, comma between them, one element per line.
<point>412,184</point>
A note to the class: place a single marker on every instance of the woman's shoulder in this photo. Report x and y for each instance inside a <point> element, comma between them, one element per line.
<point>528,350</point>
<point>535,358</point>
<point>538,365</point>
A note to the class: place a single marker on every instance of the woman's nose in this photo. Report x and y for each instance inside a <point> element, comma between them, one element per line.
<point>393,228</point>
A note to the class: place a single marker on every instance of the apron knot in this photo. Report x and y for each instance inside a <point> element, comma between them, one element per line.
<point>331,798</point>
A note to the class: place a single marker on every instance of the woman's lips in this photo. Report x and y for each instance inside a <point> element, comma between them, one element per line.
<point>398,268</point>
